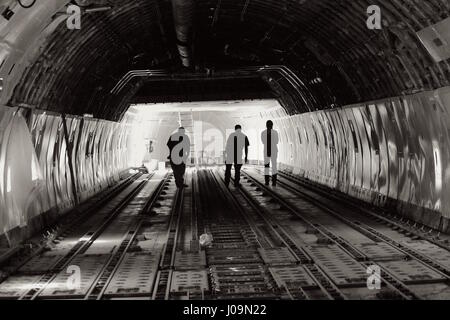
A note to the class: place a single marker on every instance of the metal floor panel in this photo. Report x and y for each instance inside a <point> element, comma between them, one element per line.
<point>233,271</point>
<point>149,241</point>
<point>243,275</point>
<point>59,251</point>
<point>162,211</point>
<point>277,256</point>
<point>111,237</point>
<point>431,250</point>
<point>134,276</point>
<point>338,265</point>
<point>16,286</point>
<point>233,256</point>
<point>190,260</point>
<point>292,276</point>
<point>166,202</point>
<point>40,264</point>
<point>237,279</point>
<point>131,298</point>
<point>412,272</point>
<point>63,246</point>
<point>342,230</point>
<point>381,251</point>
<point>90,267</point>
<point>104,246</point>
<point>244,288</point>
<point>192,281</point>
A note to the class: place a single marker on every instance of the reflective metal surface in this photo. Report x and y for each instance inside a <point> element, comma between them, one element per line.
<point>35,175</point>
<point>392,151</point>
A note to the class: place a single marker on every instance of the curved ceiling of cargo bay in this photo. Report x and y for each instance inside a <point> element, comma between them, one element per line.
<point>326,42</point>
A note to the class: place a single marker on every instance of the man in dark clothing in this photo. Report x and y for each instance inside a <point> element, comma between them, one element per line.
<point>270,139</point>
<point>237,141</point>
<point>179,146</point>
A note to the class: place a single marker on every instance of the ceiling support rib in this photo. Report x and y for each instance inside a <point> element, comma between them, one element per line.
<point>183,14</point>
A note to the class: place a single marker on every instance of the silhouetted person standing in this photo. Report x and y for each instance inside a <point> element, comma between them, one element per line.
<point>269,138</point>
<point>237,141</point>
<point>179,146</point>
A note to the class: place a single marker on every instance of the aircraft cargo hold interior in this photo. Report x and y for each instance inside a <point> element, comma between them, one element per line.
<point>224,150</point>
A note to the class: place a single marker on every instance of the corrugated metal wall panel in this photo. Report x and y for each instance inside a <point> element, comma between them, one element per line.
<point>378,113</point>
<point>364,155</point>
<point>35,176</point>
<point>393,151</point>
<point>21,189</point>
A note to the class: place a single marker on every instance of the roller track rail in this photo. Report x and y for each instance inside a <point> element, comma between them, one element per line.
<point>70,223</point>
<point>388,279</point>
<point>81,246</point>
<point>97,291</point>
<point>370,231</point>
<point>166,264</point>
<point>379,214</point>
<point>285,242</point>
<point>71,220</point>
<point>236,269</point>
<point>321,279</point>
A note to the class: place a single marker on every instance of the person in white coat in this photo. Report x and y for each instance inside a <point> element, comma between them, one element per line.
<point>270,139</point>
<point>237,142</point>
